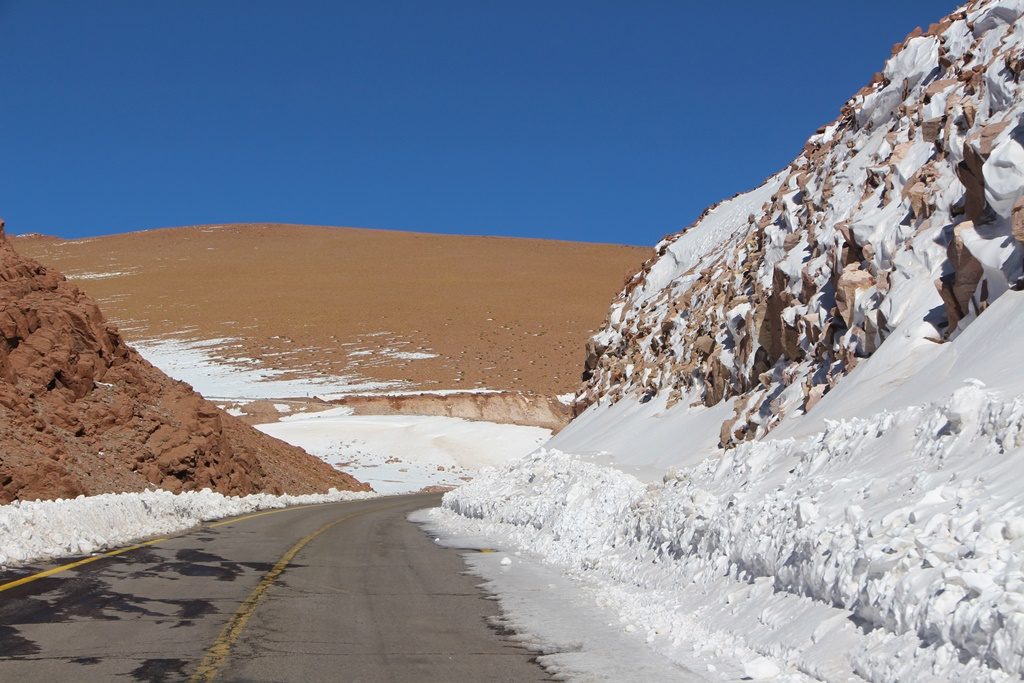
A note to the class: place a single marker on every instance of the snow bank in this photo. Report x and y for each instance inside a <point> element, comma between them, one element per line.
<point>888,547</point>
<point>32,531</point>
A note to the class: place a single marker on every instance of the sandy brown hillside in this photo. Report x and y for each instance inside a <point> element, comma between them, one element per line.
<point>81,412</point>
<point>440,311</point>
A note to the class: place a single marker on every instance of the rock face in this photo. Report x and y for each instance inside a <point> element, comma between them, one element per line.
<point>504,407</point>
<point>82,413</point>
<point>903,215</point>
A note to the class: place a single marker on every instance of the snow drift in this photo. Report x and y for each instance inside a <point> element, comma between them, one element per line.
<point>38,530</point>
<point>906,526</point>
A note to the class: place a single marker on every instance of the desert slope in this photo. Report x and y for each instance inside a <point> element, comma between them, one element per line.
<point>385,308</point>
<point>83,413</point>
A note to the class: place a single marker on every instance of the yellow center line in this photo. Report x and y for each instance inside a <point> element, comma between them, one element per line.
<point>113,553</point>
<point>217,654</point>
<point>255,514</point>
<point>71,565</point>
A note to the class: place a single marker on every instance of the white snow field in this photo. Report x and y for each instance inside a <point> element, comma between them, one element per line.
<point>394,453</point>
<point>37,530</point>
<point>403,453</point>
<point>873,534</point>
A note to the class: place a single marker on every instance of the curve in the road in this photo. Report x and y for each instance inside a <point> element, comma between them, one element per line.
<point>218,653</point>
<point>304,596</point>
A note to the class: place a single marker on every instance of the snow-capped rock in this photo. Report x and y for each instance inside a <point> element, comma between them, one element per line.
<point>900,210</point>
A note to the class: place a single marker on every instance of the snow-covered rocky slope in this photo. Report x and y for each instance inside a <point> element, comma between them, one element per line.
<point>883,548</point>
<point>800,427</point>
<point>896,220</point>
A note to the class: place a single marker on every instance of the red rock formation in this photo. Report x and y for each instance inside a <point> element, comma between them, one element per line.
<point>83,413</point>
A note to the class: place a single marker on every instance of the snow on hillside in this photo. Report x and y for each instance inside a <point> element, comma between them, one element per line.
<point>801,425</point>
<point>391,453</point>
<point>886,547</point>
<point>901,220</point>
<point>202,364</point>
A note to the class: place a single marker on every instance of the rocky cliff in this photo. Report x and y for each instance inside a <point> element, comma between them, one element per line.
<point>82,413</point>
<point>902,219</point>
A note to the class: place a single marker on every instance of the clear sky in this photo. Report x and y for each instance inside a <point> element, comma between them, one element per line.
<point>597,120</point>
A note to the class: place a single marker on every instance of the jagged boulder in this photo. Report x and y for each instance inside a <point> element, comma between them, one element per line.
<point>958,287</point>
<point>971,175</point>
<point>1018,221</point>
<point>852,281</point>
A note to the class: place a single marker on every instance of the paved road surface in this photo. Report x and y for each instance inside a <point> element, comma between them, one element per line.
<point>339,592</point>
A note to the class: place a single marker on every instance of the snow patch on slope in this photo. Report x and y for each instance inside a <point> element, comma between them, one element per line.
<point>217,378</point>
<point>644,439</point>
<point>898,375</point>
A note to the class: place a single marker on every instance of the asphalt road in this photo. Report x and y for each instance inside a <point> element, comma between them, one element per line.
<point>339,592</point>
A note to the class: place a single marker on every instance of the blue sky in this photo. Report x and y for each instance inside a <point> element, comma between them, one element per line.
<point>594,120</point>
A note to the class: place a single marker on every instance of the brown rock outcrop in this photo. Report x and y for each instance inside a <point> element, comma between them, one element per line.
<point>851,281</point>
<point>1017,220</point>
<point>977,149</point>
<point>957,287</point>
<point>83,413</point>
<point>970,174</point>
<point>506,407</point>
